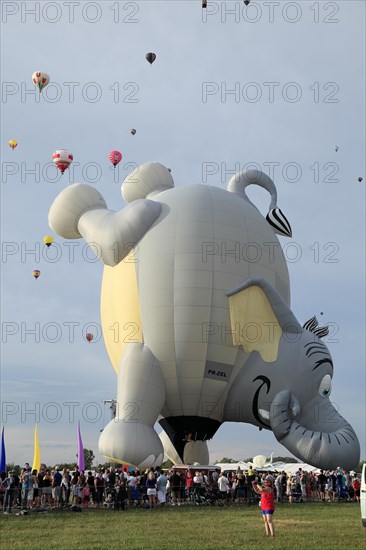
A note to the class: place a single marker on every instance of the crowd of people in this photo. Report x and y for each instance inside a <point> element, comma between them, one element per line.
<point>116,488</point>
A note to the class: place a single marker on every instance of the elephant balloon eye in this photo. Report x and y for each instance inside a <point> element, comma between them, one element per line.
<point>325,387</point>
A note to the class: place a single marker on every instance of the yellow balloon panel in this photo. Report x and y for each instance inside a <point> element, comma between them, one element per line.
<point>120,308</point>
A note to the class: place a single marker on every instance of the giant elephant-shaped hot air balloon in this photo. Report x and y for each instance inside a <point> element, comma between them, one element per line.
<point>199,288</point>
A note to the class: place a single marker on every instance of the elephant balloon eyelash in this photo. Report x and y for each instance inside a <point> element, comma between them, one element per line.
<point>321,332</point>
<point>321,362</point>
<point>312,326</point>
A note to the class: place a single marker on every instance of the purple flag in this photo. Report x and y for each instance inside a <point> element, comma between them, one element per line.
<point>81,461</point>
<point>3,455</point>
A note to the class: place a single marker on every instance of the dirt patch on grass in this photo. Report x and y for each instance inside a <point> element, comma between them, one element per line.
<point>292,522</point>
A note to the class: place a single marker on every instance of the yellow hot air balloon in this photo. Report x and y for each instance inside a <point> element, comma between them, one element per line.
<point>48,240</point>
<point>13,143</point>
<point>36,273</point>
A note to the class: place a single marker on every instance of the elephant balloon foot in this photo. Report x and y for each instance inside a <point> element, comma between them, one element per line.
<point>131,443</point>
<point>196,451</point>
<point>130,437</point>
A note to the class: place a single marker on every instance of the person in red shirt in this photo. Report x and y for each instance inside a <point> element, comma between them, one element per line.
<point>267,504</point>
<point>356,487</point>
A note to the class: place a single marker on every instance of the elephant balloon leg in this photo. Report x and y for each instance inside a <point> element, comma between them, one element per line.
<point>130,437</point>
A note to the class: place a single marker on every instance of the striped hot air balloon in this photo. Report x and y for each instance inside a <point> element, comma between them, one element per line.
<point>115,157</point>
<point>40,80</point>
<point>62,158</point>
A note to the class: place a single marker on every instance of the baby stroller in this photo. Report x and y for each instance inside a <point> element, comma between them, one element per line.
<point>212,497</point>
<point>200,499</point>
<point>110,499</point>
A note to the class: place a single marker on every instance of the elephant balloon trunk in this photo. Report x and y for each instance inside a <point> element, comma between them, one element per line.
<point>327,450</point>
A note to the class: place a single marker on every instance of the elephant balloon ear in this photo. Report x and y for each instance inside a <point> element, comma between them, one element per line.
<point>279,222</point>
<point>258,317</point>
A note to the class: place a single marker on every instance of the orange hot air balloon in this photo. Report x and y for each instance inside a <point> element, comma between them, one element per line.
<point>89,337</point>
<point>36,273</point>
<point>115,157</point>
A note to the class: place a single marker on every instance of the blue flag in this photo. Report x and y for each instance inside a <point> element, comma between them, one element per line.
<point>3,455</point>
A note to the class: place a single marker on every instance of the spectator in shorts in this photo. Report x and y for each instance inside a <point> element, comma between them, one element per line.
<point>151,489</point>
<point>267,504</point>
<point>47,488</point>
<point>56,487</point>
<point>223,484</point>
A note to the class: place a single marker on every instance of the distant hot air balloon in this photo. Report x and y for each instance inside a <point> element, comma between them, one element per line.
<point>246,2</point>
<point>360,179</point>
<point>13,143</point>
<point>36,273</point>
<point>40,79</point>
<point>89,337</point>
<point>62,159</point>
<point>150,57</point>
<point>204,3</point>
<point>48,240</point>
<point>336,148</point>
<point>259,461</point>
<point>133,131</point>
<point>169,169</point>
<point>115,157</point>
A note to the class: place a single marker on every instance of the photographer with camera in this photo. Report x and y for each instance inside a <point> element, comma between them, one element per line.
<point>266,504</point>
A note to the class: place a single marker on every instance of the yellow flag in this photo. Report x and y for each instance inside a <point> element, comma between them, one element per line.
<point>37,453</point>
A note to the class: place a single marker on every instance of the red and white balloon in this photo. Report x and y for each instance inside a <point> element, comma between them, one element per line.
<point>40,79</point>
<point>62,158</point>
<point>115,157</point>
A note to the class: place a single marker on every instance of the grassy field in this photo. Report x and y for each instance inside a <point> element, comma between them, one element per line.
<point>298,526</point>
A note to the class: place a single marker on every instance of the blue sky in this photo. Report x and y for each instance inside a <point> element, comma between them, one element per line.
<point>296,75</point>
